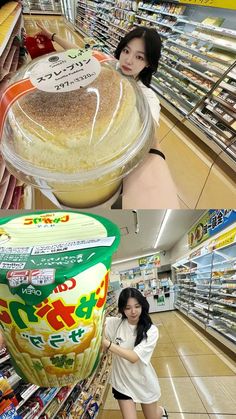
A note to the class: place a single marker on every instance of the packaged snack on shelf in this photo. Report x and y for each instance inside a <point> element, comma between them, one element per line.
<point>213,21</point>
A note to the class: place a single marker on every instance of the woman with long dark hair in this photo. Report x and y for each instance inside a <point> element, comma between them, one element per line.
<point>132,339</point>
<point>148,55</point>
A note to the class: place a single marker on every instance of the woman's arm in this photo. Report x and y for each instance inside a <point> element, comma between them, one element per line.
<point>150,186</point>
<point>60,41</point>
<point>127,354</point>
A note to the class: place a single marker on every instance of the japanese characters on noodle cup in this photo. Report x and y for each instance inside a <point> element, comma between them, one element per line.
<point>73,127</point>
<point>54,276</point>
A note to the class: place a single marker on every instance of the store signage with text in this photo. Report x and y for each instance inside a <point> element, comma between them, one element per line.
<point>210,224</point>
<point>150,261</point>
<point>226,4</point>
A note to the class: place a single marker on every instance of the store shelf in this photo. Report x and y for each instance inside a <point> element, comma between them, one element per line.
<point>158,11</point>
<point>228,87</point>
<point>81,31</point>
<point>224,103</point>
<point>179,74</point>
<point>9,32</point>
<point>158,90</point>
<point>46,405</point>
<point>27,397</point>
<point>196,63</point>
<point>199,44</point>
<point>4,359</point>
<point>14,380</point>
<point>54,416</point>
<point>42,12</point>
<point>197,52</point>
<point>221,338</point>
<point>206,307</point>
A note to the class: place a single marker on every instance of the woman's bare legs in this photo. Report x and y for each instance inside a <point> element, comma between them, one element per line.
<point>128,409</point>
<point>152,411</point>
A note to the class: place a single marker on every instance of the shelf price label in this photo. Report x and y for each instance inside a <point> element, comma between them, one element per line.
<point>226,4</point>
<point>223,240</point>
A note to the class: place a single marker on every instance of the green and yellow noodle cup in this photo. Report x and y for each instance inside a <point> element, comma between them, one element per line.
<point>54,277</point>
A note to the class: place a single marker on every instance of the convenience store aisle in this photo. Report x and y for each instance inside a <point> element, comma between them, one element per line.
<point>197,380</point>
<point>202,179</point>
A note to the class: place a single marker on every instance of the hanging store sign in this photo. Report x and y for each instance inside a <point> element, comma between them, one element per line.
<point>210,224</point>
<point>130,274</point>
<point>226,4</point>
<point>150,261</point>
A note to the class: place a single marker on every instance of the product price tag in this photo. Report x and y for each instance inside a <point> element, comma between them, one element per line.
<point>65,71</point>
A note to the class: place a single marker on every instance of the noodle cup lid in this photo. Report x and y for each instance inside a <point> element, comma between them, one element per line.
<point>72,112</point>
<point>41,250</point>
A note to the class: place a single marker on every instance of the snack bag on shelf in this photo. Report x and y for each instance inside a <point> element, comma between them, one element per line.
<point>54,277</point>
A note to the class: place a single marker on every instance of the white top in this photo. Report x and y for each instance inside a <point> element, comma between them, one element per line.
<point>153,101</point>
<point>137,380</point>
<point>151,97</point>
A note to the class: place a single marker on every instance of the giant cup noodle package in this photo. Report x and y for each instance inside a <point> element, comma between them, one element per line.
<point>74,126</point>
<point>54,275</point>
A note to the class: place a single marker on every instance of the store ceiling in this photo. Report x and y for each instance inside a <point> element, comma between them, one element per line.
<point>135,244</point>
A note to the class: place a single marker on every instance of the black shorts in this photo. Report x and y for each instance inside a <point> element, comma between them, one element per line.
<point>119,396</point>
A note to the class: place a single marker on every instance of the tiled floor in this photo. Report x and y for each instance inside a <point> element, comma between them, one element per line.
<point>202,182</point>
<point>197,380</point>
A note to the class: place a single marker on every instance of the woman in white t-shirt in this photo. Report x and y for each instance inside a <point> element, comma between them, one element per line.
<point>132,339</point>
<point>150,185</point>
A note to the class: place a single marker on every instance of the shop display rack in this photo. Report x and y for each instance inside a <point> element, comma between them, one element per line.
<point>206,291</point>
<point>198,51</point>
<point>196,55</point>
<point>106,21</point>
<point>217,113</point>
<point>80,401</point>
<point>12,192</point>
<point>42,7</point>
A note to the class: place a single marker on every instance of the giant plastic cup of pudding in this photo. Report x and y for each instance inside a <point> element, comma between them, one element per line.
<point>75,126</point>
<point>54,277</point>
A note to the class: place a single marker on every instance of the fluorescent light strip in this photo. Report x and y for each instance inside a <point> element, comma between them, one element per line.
<point>165,219</point>
<point>132,258</point>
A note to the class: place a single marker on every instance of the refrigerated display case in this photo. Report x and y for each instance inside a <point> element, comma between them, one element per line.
<point>42,7</point>
<point>199,50</point>
<point>106,21</point>
<point>205,283</point>
<point>216,114</point>
<point>223,293</point>
<point>181,273</point>
<point>68,10</point>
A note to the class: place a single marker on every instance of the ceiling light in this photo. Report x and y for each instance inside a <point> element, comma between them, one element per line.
<point>136,223</point>
<point>165,219</point>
